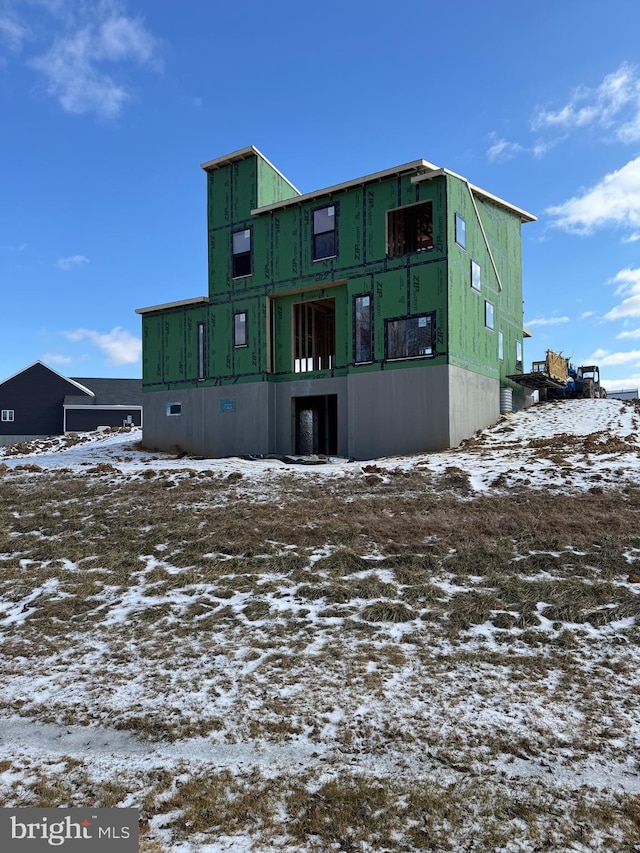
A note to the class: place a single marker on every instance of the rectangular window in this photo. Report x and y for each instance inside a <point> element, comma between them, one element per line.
<point>362,329</point>
<point>324,233</point>
<point>8,415</point>
<point>410,337</point>
<point>240,329</point>
<point>488,315</point>
<point>174,409</point>
<point>241,252</point>
<point>518,355</point>
<point>201,351</point>
<point>500,346</point>
<point>410,229</point>
<point>475,275</point>
<point>461,232</point>
<point>314,335</point>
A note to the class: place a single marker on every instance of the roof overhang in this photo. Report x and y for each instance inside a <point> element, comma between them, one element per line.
<point>435,172</point>
<point>181,303</point>
<point>243,154</point>
<point>414,166</point>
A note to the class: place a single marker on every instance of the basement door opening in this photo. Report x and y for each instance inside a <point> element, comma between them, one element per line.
<point>315,425</point>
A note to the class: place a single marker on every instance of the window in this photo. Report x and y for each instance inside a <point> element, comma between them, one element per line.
<point>488,315</point>
<point>241,250</point>
<point>8,415</point>
<point>324,233</point>
<point>410,229</point>
<point>201,351</point>
<point>518,355</point>
<point>410,337</point>
<point>475,275</point>
<point>362,329</point>
<point>461,232</point>
<point>174,409</point>
<point>314,335</point>
<point>240,329</point>
<point>500,345</point>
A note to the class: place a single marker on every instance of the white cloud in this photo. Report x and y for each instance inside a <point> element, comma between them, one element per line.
<point>586,314</point>
<point>604,358</point>
<point>13,32</point>
<point>632,333</point>
<point>85,45</point>
<point>547,321</point>
<point>56,358</point>
<point>120,346</point>
<point>615,201</point>
<point>614,105</point>
<point>20,248</point>
<point>71,262</point>
<point>632,238</point>
<point>502,149</point>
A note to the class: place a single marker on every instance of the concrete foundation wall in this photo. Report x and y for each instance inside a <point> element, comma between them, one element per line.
<point>474,403</point>
<point>16,439</point>
<point>398,411</point>
<point>228,420</point>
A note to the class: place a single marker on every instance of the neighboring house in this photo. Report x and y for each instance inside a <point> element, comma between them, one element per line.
<point>623,394</point>
<point>39,402</point>
<point>379,316</point>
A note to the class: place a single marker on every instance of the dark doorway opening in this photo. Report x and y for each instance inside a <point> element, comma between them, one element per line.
<point>316,425</point>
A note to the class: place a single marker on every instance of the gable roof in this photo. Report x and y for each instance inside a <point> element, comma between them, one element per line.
<point>74,382</point>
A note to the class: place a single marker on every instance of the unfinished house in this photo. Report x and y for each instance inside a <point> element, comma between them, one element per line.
<point>379,316</point>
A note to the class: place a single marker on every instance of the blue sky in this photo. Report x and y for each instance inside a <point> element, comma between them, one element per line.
<point>108,109</point>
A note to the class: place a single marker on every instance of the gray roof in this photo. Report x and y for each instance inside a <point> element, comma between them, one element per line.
<point>108,392</point>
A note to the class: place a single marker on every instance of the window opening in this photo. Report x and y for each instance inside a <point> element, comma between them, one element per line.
<point>8,415</point>
<point>410,337</point>
<point>518,355</point>
<point>324,233</point>
<point>240,329</point>
<point>475,275</point>
<point>314,335</point>
<point>201,351</point>
<point>500,345</point>
<point>362,329</point>
<point>461,231</point>
<point>488,315</point>
<point>174,409</point>
<point>241,250</point>
<point>410,229</point>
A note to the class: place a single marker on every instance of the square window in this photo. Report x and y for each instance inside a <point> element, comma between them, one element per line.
<point>174,409</point>
<point>475,276</point>
<point>410,229</point>
<point>362,329</point>
<point>410,337</point>
<point>461,232</point>
<point>324,233</point>
<point>241,253</point>
<point>240,329</point>
<point>8,415</point>
<point>488,315</point>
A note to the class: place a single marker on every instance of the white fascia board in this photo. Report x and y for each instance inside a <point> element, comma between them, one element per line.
<point>181,303</point>
<point>523,214</point>
<point>51,370</point>
<point>242,154</point>
<point>356,182</point>
<point>93,408</point>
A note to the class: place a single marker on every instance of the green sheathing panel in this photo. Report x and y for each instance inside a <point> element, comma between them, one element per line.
<point>471,344</point>
<point>272,186</point>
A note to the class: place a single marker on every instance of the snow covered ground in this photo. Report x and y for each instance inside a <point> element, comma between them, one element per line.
<point>430,652</point>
